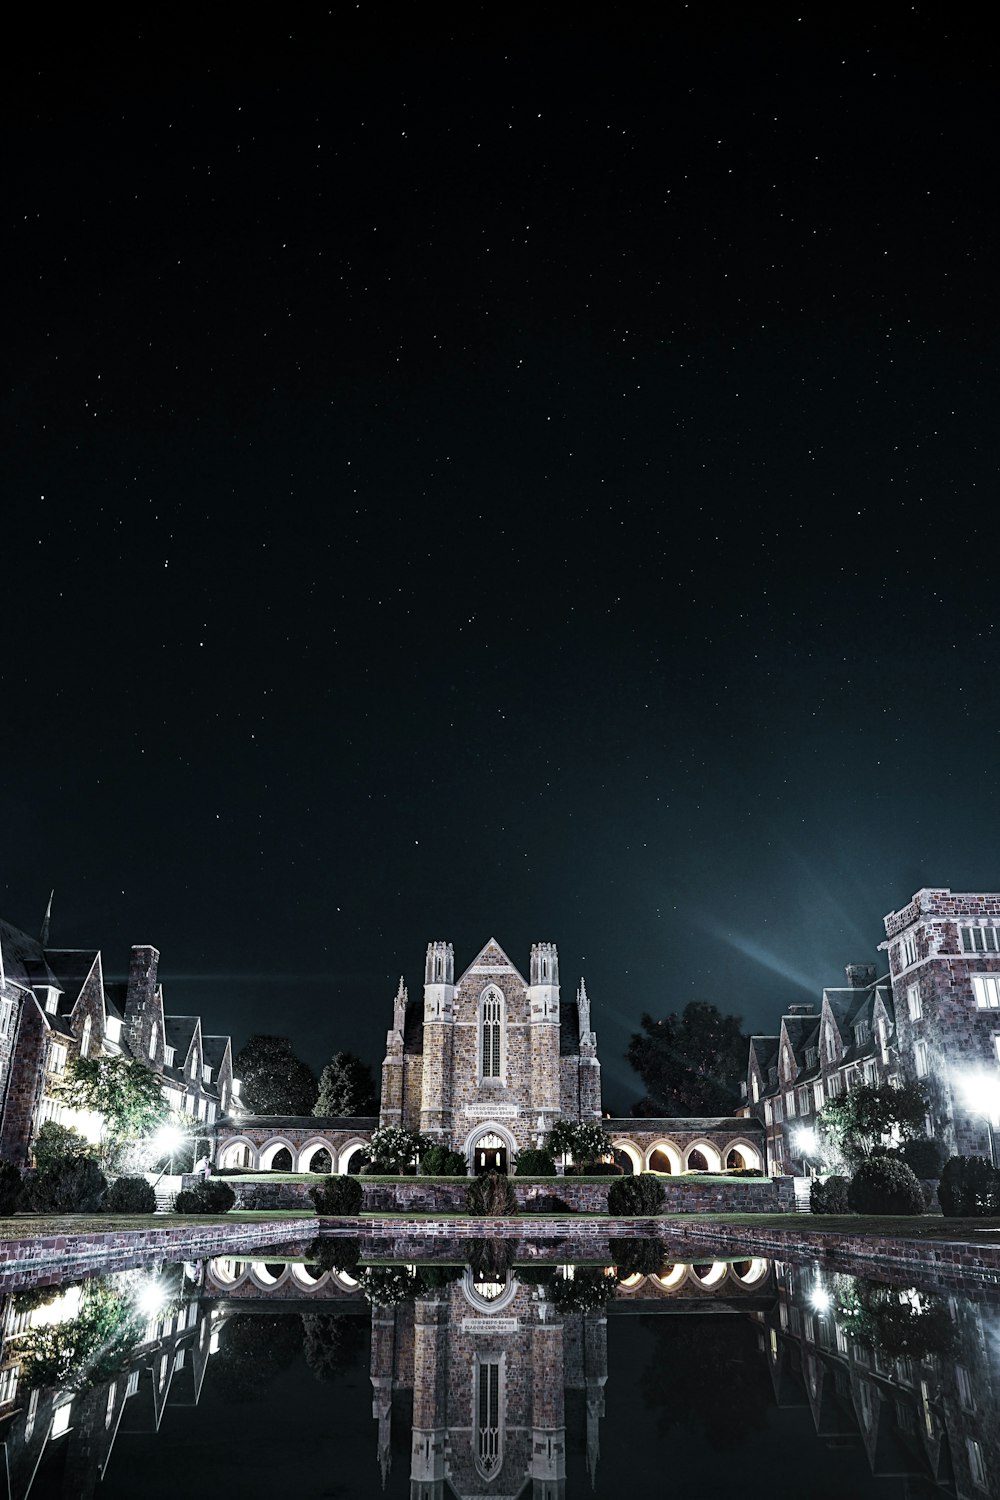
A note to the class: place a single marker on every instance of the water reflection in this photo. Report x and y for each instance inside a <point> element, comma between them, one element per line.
<point>490,1373</point>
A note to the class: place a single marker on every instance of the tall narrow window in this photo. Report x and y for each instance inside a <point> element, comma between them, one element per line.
<point>492,1011</point>
<point>85,1038</point>
<point>489,1402</point>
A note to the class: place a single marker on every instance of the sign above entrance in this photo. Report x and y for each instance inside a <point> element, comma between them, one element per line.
<point>492,1111</point>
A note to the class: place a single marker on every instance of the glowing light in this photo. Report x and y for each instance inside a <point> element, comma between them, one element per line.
<point>150,1298</point>
<point>167,1140</point>
<point>982,1093</point>
<point>806,1140</point>
<point>820,1299</point>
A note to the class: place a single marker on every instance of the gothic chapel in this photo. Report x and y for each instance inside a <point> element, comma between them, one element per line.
<point>490,1061</point>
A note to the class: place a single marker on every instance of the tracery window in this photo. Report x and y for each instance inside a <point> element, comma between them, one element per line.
<point>489,1416</point>
<point>491,1033</point>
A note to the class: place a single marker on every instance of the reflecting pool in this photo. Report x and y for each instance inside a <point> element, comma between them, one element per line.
<point>497,1368</point>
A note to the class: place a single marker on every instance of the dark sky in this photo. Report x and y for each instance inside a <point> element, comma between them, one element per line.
<point>470,475</point>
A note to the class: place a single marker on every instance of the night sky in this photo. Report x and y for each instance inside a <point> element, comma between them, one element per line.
<point>470,474</point>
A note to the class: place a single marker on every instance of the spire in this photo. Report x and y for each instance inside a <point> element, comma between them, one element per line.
<point>43,936</point>
<point>399,1007</point>
<point>583,1006</point>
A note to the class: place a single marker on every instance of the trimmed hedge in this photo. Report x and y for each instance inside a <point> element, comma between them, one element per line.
<point>533,1162</point>
<point>969,1188</point>
<point>10,1188</point>
<point>75,1185</point>
<point>439,1161</point>
<point>595,1169</point>
<point>337,1195</point>
<point>829,1197</point>
<point>207,1198</point>
<point>130,1195</point>
<point>883,1185</point>
<point>492,1194</point>
<point>643,1194</point>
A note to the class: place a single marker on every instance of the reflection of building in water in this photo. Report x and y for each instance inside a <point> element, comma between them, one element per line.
<point>489,1362</point>
<point>73,1435</point>
<point>923,1415</point>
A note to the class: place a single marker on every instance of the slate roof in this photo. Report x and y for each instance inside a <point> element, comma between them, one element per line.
<point>735,1123</point>
<point>24,959</point>
<point>214,1049</point>
<point>317,1122</point>
<point>178,1031</point>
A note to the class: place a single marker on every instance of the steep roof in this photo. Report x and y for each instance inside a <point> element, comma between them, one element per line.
<point>214,1050</point>
<point>24,960</point>
<point>491,959</point>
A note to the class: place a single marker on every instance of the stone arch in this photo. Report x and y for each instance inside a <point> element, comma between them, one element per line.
<point>713,1275</point>
<point>262,1277</point>
<point>240,1152</point>
<point>710,1153</point>
<point>309,1150</point>
<point>667,1158</point>
<point>488,1127</point>
<point>756,1270</point>
<point>343,1158</point>
<point>631,1151</point>
<point>270,1150</point>
<point>226,1270</point>
<point>671,1278</point>
<point>486,1292</point>
<point>749,1153</point>
<point>300,1274</point>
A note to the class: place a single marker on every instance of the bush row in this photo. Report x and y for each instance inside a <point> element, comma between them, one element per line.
<point>76,1185</point>
<point>969,1188</point>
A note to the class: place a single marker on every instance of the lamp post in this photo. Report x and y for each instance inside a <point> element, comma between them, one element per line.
<point>982,1095</point>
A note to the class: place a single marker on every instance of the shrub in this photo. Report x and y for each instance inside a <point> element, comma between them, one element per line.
<point>534,1162</point>
<point>491,1258</point>
<point>10,1188</point>
<point>883,1185</point>
<point>130,1195</point>
<point>74,1185</point>
<point>431,1278</point>
<point>744,1172</point>
<point>587,1291</point>
<point>439,1161</point>
<point>595,1169</point>
<point>829,1197</point>
<point>337,1195</point>
<point>924,1158</point>
<point>969,1188</point>
<point>384,1286</point>
<point>492,1195</point>
<point>207,1198</point>
<point>335,1252</point>
<point>55,1143</point>
<point>394,1150</point>
<point>638,1257</point>
<point>643,1194</point>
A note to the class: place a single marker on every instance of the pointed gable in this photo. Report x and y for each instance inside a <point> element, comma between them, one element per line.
<point>492,960</point>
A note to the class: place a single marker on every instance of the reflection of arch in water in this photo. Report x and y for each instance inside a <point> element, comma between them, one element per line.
<point>709,1275</point>
<point>750,1272</point>
<point>240,1152</point>
<point>488,1291</point>
<point>710,1161</point>
<point>270,1150</point>
<point>301,1275</point>
<point>261,1274</point>
<point>227,1270</point>
<point>663,1156</point>
<point>669,1279</point>
<point>748,1155</point>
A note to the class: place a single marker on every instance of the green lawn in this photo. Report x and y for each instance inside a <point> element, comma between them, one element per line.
<point>44,1226</point>
<point>921,1227</point>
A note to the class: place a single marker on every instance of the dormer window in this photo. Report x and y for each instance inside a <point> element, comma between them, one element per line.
<point>114,1029</point>
<point>169,1054</point>
<point>85,1038</point>
<point>193,1068</point>
<point>812,1056</point>
<point>51,1001</point>
<point>206,1074</point>
<point>861,1032</point>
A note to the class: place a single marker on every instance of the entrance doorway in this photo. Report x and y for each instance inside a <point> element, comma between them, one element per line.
<point>489,1154</point>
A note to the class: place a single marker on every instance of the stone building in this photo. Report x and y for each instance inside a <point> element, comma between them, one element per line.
<point>934,1019</point>
<point>491,1059</point>
<point>56,1004</point>
<point>944,965</point>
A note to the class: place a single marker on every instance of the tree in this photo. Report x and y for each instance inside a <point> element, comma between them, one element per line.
<point>275,1081</point>
<point>394,1150</point>
<point>127,1097</point>
<point>864,1121</point>
<point>691,1063</point>
<point>346,1087</point>
<point>584,1140</point>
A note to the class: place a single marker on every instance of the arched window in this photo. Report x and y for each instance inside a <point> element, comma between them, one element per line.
<point>491,1033</point>
<point>85,1038</point>
<point>488,1432</point>
<point>154,1037</point>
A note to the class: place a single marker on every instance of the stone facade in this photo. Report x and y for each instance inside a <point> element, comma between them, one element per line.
<point>944,965</point>
<point>491,1054</point>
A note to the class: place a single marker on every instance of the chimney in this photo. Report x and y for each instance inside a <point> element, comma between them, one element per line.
<point>140,997</point>
<point>860,976</point>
